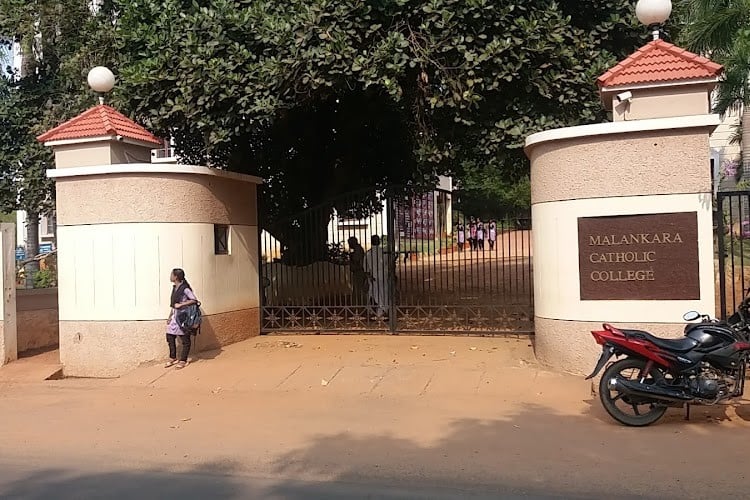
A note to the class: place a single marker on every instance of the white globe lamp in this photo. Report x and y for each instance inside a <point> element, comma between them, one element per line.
<point>101,80</point>
<point>653,13</point>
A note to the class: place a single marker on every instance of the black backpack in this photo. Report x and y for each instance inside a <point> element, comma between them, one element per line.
<point>189,319</point>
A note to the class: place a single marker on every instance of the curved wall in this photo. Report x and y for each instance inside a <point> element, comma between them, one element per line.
<point>143,197</point>
<point>627,168</point>
<point>120,272</point>
<point>122,229</point>
<point>632,164</point>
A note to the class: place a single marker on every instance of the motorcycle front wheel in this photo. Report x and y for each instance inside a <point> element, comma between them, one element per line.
<point>630,411</point>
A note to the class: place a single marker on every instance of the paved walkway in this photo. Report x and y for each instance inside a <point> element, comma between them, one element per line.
<point>381,365</point>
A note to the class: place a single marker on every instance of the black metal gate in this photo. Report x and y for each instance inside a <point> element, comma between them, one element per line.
<point>391,262</point>
<point>732,242</point>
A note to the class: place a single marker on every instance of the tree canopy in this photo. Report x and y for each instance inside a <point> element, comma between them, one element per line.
<point>326,97</point>
<point>59,41</point>
<point>322,97</point>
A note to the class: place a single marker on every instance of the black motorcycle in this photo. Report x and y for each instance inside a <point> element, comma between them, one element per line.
<point>707,366</point>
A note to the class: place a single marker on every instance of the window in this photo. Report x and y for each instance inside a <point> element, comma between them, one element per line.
<point>221,239</point>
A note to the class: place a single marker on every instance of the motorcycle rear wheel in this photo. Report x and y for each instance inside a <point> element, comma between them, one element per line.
<point>644,412</point>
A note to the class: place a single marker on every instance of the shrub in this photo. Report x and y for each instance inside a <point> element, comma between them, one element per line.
<point>45,278</point>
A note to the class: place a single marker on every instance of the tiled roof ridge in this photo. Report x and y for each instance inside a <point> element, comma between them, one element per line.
<point>103,112</point>
<point>707,67</point>
<point>100,120</point>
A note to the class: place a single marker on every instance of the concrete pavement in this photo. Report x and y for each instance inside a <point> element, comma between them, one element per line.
<point>379,365</point>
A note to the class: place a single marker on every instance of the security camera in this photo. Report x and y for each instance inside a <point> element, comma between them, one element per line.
<point>119,138</point>
<point>625,96</point>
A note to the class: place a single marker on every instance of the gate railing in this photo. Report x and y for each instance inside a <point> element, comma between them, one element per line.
<point>732,237</point>
<point>433,270</point>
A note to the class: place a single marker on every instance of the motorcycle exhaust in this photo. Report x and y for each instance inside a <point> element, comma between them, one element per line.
<point>634,388</point>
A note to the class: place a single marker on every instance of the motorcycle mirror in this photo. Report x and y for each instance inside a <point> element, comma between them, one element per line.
<point>691,316</point>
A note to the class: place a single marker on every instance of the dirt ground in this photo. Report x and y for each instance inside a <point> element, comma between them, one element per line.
<point>352,417</point>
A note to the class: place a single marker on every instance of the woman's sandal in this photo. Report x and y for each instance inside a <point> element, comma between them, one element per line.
<point>180,365</point>
<point>169,363</point>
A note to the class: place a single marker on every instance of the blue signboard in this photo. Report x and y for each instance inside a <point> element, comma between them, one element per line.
<point>20,253</point>
<point>45,248</point>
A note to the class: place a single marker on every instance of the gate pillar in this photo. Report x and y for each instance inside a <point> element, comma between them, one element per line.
<point>8,327</point>
<point>124,223</point>
<point>622,211</point>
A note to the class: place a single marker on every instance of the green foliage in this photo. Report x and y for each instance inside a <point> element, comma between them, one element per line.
<point>487,194</point>
<point>23,184</point>
<point>60,41</point>
<point>46,278</point>
<point>721,29</point>
<point>321,97</point>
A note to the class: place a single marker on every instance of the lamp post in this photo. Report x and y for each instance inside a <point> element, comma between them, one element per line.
<point>653,13</point>
<point>101,80</point>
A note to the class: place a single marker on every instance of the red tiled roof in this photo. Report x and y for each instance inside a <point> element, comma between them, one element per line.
<point>99,121</point>
<point>658,62</point>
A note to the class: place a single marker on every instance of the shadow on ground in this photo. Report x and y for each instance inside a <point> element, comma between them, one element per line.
<point>209,481</point>
<point>533,453</point>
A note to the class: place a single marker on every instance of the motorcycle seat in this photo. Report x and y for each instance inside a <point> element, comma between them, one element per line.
<point>682,344</point>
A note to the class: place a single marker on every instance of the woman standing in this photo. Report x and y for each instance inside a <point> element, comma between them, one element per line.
<point>461,237</point>
<point>182,296</point>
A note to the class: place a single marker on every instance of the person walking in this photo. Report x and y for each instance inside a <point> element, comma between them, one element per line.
<point>182,296</point>
<point>357,270</point>
<point>473,234</point>
<point>480,235</point>
<point>378,269</point>
<point>492,234</point>
<point>461,230</point>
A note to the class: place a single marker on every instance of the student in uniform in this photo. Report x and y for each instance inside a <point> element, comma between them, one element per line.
<point>492,234</point>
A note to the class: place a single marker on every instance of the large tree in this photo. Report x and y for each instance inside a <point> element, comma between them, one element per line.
<point>323,97</point>
<point>720,29</point>
<point>59,41</point>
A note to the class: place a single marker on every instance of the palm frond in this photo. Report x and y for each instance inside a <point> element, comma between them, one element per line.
<point>713,25</point>
<point>734,90</point>
<point>736,137</point>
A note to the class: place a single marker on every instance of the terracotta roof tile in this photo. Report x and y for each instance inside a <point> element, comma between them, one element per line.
<point>657,62</point>
<point>101,120</point>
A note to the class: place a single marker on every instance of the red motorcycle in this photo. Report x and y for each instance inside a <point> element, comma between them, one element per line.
<point>706,366</point>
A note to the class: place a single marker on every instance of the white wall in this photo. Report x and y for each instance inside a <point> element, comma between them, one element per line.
<point>122,270</point>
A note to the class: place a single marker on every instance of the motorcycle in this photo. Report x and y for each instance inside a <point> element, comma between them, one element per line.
<point>704,367</point>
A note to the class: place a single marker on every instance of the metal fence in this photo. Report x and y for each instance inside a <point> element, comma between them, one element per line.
<point>397,263</point>
<point>732,242</point>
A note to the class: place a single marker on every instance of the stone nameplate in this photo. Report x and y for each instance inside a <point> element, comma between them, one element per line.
<point>639,257</point>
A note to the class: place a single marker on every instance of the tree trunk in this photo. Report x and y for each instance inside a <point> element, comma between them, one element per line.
<point>32,247</point>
